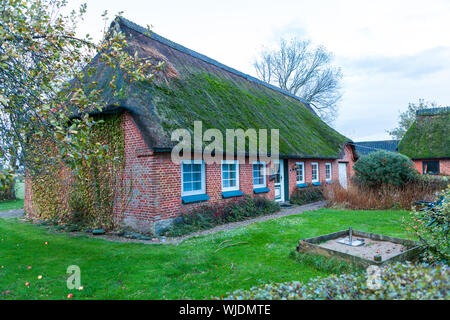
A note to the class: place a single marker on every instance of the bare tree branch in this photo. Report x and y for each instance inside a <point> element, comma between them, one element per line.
<point>304,71</point>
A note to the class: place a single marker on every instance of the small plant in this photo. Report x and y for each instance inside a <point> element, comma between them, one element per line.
<point>431,226</point>
<point>384,168</point>
<point>211,215</point>
<point>306,195</point>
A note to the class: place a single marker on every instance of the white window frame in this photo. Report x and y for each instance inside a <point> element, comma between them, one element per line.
<point>303,172</point>
<point>264,175</point>
<point>331,172</point>
<point>236,162</point>
<point>203,178</point>
<point>312,165</point>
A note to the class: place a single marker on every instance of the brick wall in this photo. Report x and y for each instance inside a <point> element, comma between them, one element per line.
<point>28,202</point>
<point>444,166</point>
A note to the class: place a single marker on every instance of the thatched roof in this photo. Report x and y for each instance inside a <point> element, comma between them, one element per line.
<point>429,135</point>
<point>193,87</point>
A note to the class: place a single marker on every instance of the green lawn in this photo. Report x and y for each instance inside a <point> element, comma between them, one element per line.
<point>11,204</point>
<point>193,269</point>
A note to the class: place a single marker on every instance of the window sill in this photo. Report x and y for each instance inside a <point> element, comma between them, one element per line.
<point>230,194</point>
<point>302,185</point>
<point>330,181</point>
<point>317,183</point>
<point>261,190</point>
<point>195,198</point>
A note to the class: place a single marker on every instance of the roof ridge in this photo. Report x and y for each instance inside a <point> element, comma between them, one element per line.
<point>372,141</point>
<point>134,26</point>
<point>433,111</point>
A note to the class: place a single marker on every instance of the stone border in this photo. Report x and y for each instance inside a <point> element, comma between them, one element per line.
<point>311,245</point>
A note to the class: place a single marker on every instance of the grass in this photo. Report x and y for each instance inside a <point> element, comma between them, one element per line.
<point>196,268</point>
<point>11,204</point>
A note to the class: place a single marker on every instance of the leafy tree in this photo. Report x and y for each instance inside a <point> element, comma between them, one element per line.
<point>384,168</point>
<point>43,69</point>
<point>304,71</point>
<point>431,227</point>
<point>7,177</point>
<point>407,118</point>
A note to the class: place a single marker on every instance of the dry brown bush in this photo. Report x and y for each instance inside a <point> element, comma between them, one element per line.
<point>358,196</point>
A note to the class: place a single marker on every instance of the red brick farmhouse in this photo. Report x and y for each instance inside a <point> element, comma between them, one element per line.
<point>193,87</point>
<point>427,141</point>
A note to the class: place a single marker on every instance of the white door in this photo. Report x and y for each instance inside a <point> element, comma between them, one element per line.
<point>343,174</point>
<point>279,185</point>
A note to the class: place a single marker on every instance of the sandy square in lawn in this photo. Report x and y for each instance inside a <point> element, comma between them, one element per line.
<point>368,250</point>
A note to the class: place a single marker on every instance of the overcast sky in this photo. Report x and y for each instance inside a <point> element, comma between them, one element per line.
<point>391,52</point>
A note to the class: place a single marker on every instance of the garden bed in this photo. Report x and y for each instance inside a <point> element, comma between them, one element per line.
<point>391,249</point>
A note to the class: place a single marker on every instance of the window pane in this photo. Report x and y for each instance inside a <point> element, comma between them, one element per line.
<point>197,176</point>
<point>187,176</point>
<point>192,177</point>
<point>314,171</point>
<point>229,175</point>
<point>299,172</point>
<point>258,174</point>
<point>431,167</point>
<point>187,186</point>
<point>197,185</point>
<point>225,175</point>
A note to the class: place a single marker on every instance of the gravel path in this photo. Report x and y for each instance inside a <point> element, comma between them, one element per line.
<point>12,213</point>
<point>225,227</point>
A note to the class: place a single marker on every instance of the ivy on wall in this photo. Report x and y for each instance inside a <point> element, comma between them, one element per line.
<point>85,197</point>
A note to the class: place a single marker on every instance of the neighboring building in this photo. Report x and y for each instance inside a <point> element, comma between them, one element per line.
<point>193,87</point>
<point>427,141</point>
<point>366,147</point>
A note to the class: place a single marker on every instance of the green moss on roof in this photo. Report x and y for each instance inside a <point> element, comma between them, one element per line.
<point>428,137</point>
<point>223,103</point>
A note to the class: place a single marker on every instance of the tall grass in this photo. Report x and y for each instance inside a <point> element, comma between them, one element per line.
<point>359,196</point>
<point>325,264</point>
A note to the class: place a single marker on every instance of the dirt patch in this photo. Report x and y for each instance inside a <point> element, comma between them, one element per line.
<point>385,248</point>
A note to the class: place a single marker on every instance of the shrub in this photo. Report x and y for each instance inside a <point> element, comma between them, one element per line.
<point>211,215</point>
<point>6,184</point>
<point>431,227</point>
<point>306,195</point>
<point>398,281</point>
<point>384,168</point>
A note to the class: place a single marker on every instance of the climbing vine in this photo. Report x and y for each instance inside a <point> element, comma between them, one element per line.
<point>86,198</point>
